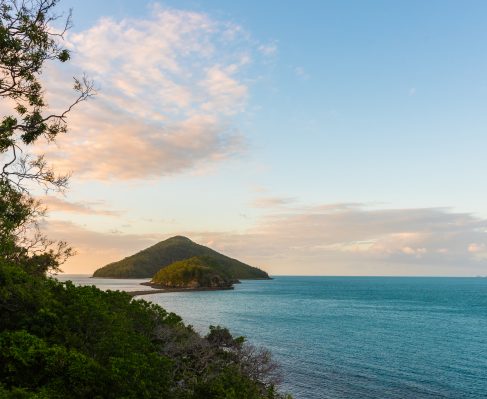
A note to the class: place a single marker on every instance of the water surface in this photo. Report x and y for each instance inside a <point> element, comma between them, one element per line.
<point>353,337</point>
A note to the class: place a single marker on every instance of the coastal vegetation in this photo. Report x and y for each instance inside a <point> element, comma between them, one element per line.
<point>58,340</point>
<point>146,263</point>
<point>193,273</point>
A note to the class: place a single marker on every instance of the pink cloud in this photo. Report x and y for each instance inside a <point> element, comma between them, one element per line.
<point>57,204</point>
<point>94,248</point>
<point>169,87</point>
<point>272,202</point>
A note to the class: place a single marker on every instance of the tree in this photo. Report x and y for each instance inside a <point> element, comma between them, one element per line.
<point>58,340</point>
<point>27,42</point>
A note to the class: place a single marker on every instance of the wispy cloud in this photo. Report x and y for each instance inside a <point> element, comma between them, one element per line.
<point>341,239</point>
<point>301,73</point>
<point>269,49</point>
<point>170,85</point>
<point>350,239</point>
<point>272,202</point>
<point>57,204</point>
<point>94,248</point>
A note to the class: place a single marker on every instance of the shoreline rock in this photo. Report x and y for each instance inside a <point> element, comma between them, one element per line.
<point>158,289</point>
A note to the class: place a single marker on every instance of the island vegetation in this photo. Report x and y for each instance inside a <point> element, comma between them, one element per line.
<point>146,263</point>
<point>198,272</point>
<point>58,340</point>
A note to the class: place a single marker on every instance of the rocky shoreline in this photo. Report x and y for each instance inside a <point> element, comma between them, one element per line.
<point>158,289</point>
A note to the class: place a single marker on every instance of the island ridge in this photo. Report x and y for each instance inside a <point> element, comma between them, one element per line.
<point>148,262</point>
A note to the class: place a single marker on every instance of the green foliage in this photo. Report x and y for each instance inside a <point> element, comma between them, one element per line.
<point>13,213</point>
<point>229,384</point>
<point>58,340</point>
<point>221,337</point>
<point>56,337</point>
<point>195,272</point>
<point>27,42</point>
<point>20,238</point>
<point>31,363</point>
<point>148,262</point>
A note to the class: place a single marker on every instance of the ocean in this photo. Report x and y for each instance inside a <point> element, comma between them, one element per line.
<point>352,337</point>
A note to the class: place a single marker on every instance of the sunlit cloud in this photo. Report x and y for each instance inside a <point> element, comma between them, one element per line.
<point>351,239</point>
<point>57,204</point>
<point>94,248</point>
<point>272,202</point>
<point>169,88</point>
<point>341,239</point>
<point>137,150</point>
<point>476,248</point>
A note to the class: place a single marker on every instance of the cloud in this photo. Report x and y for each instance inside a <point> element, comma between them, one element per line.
<point>170,87</point>
<point>478,251</point>
<point>476,248</point>
<point>301,73</point>
<point>345,239</point>
<point>57,204</point>
<point>351,239</point>
<point>269,49</point>
<point>94,248</point>
<point>137,150</point>
<point>271,202</point>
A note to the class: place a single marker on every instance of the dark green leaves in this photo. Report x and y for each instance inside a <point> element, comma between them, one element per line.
<point>64,55</point>
<point>64,341</point>
<point>27,43</point>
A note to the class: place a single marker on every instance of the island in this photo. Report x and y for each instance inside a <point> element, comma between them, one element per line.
<point>151,261</point>
<point>196,273</point>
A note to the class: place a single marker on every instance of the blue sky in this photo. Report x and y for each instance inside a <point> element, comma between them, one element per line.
<point>314,117</point>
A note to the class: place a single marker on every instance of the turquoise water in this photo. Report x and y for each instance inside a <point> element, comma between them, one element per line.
<point>354,337</point>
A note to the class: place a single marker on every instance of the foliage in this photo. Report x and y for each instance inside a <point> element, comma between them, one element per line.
<point>195,272</point>
<point>27,41</point>
<point>20,237</point>
<point>146,263</point>
<point>59,340</point>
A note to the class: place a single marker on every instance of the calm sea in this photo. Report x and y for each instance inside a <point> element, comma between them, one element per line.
<point>353,337</point>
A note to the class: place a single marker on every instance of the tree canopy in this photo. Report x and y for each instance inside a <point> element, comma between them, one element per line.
<point>196,272</point>
<point>58,340</point>
<point>27,42</point>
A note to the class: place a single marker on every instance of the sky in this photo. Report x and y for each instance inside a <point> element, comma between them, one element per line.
<point>302,137</point>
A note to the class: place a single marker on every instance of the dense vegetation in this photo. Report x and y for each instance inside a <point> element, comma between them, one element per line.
<point>62,341</point>
<point>195,272</point>
<point>148,262</point>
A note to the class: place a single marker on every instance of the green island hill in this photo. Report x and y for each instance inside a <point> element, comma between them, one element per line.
<point>148,262</point>
<point>198,272</point>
